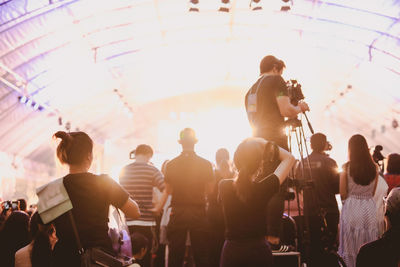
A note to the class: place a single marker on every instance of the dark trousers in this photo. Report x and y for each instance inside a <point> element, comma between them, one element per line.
<point>182,221</point>
<point>147,232</point>
<point>276,204</point>
<point>255,253</point>
<point>217,233</point>
<point>319,240</point>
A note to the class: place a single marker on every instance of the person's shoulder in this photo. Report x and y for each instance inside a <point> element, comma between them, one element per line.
<point>24,250</point>
<point>330,160</point>
<point>203,160</point>
<point>370,250</point>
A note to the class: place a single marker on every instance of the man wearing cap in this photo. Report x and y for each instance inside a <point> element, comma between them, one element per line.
<point>323,182</point>
<point>267,104</point>
<point>188,179</point>
<point>139,178</point>
<point>386,250</point>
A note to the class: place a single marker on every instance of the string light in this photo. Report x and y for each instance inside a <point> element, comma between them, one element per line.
<point>126,107</point>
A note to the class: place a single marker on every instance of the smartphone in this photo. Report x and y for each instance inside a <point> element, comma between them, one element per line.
<point>15,205</point>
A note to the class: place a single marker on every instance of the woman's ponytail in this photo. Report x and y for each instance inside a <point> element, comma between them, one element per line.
<point>63,147</point>
<point>243,185</point>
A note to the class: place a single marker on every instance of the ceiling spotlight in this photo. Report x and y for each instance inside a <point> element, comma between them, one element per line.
<point>36,106</point>
<point>395,124</point>
<point>255,5</point>
<point>22,99</point>
<point>286,6</point>
<point>225,6</point>
<point>193,6</point>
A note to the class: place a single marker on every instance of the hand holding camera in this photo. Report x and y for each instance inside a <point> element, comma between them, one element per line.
<point>304,106</point>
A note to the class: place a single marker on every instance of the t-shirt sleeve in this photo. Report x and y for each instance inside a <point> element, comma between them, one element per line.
<point>158,180</point>
<point>280,87</point>
<point>116,194</point>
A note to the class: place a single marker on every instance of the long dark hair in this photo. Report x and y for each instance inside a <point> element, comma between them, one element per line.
<point>393,165</point>
<point>362,166</point>
<point>74,147</point>
<point>41,251</point>
<point>13,236</point>
<point>247,158</point>
<point>223,165</point>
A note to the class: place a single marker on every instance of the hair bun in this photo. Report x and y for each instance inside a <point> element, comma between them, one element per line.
<point>62,135</point>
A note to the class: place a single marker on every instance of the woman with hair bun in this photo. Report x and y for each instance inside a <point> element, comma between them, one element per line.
<point>91,195</point>
<point>244,200</point>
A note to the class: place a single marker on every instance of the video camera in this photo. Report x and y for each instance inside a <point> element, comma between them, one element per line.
<point>294,91</point>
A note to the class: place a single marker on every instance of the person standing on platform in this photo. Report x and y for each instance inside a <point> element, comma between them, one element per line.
<point>189,178</point>
<point>267,104</point>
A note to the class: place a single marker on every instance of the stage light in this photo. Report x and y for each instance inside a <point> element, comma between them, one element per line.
<point>29,102</point>
<point>22,99</point>
<point>36,106</point>
<point>193,6</point>
<point>255,5</point>
<point>225,6</point>
<point>286,6</point>
<point>395,124</point>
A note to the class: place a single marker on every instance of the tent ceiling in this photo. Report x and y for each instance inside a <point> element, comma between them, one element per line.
<point>71,55</point>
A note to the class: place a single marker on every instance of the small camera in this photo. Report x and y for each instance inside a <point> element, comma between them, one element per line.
<point>13,205</point>
<point>295,92</point>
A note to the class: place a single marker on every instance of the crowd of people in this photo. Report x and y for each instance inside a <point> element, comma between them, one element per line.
<point>218,210</point>
<point>225,214</point>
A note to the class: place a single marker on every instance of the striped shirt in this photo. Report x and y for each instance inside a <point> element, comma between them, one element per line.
<point>138,179</point>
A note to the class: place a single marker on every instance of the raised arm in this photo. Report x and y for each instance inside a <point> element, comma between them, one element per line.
<point>287,109</point>
<point>287,162</point>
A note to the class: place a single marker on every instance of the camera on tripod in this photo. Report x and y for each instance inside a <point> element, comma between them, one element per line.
<point>294,91</point>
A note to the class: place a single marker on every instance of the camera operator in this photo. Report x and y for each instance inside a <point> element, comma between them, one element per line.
<point>267,104</point>
<point>324,184</point>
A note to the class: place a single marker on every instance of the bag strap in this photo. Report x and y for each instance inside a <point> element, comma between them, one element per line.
<point>75,229</point>
<point>78,240</point>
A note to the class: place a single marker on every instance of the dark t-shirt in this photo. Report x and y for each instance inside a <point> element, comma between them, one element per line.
<point>91,195</point>
<point>246,220</point>
<point>268,117</point>
<point>383,252</point>
<point>326,180</point>
<point>188,175</point>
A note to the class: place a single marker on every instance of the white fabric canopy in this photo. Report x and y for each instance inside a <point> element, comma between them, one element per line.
<point>173,68</point>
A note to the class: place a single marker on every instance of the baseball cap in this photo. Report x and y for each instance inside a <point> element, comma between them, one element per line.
<point>187,134</point>
<point>393,201</point>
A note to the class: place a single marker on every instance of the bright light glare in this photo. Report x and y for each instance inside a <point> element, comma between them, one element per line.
<point>215,128</point>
